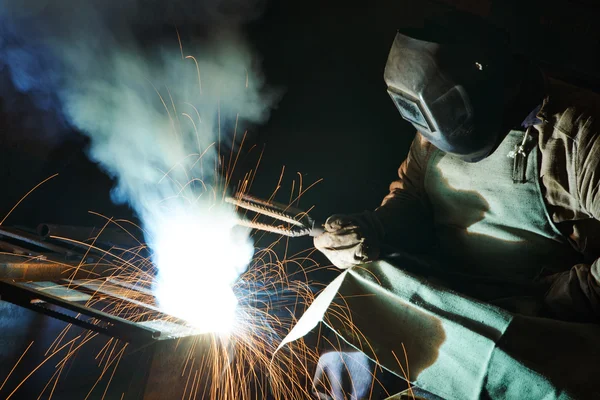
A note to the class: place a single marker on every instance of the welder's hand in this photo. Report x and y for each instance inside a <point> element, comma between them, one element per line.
<point>351,240</point>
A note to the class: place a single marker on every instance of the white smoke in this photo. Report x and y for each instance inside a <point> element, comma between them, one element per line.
<point>153,116</point>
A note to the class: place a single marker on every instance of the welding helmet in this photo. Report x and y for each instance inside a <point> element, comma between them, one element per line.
<point>450,90</point>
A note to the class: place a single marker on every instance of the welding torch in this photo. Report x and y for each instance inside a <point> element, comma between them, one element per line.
<point>293,221</point>
<point>296,222</point>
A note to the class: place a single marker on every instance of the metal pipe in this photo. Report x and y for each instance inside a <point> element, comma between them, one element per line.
<point>14,249</point>
<point>25,268</point>
<point>32,239</point>
<point>110,236</point>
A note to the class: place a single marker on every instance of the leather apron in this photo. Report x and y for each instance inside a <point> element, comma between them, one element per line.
<point>494,234</point>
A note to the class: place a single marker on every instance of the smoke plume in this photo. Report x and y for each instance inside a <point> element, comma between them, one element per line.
<point>153,115</point>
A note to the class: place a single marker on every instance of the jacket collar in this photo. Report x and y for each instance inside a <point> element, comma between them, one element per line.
<point>542,111</point>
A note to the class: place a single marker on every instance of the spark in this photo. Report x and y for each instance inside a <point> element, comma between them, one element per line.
<point>15,366</point>
<point>198,71</point>
<point>39,366</point>
<point>26,195</point>
<point>179,41</point>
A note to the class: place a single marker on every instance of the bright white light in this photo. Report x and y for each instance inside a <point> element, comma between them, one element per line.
<point>199,254</point>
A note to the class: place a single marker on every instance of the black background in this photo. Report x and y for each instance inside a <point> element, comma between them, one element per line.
<point>335,120</point>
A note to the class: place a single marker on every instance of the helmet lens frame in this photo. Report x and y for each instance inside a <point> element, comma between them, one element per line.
<point>410,109</point>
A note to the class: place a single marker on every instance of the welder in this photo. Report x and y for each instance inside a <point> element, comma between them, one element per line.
<point>500,190</point>
<point>502,180</point>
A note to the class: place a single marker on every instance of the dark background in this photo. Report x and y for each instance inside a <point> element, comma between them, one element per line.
<point>335,120</point>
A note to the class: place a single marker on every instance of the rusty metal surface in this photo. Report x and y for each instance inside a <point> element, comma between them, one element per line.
<point>25,268</point>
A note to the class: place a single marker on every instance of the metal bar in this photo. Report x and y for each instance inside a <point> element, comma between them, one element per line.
<point>118,327</point>
<point>272,204</point>
<point>57,290</point>
<point>31,239</point>
<point>107,236</point>
<point>67,318</point>
<point>298,214</point>
<point>110,290</point>
<point>264,210</point>
<point>273,229</point>
<point>13,248</point>
<point>303,224</point>
<point>171,328</point>
<point>44,268</point>
<point>127,285</point>
<point>86,248</point>
<point>94,252</point>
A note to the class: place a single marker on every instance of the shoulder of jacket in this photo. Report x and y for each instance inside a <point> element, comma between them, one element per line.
<point>570,111</point>
<point>421,147</point>
<point>423,144</point>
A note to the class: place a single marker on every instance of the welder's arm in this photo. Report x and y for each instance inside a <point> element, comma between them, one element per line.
<point>405,212</point>
<point>400,221</point>
<point>575,294</point>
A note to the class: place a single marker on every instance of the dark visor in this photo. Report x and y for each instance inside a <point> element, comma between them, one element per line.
<point>410,109</point>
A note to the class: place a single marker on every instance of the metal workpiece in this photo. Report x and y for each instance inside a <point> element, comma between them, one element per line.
<point>70,282</point>
<point>69,300</point>
<point>108,287</point>
<point>114,289</point>
<point>16,234</point>
<point>108,236</point>
<point>299,223</point>
<point>48,267</point>
<point>16,249</point>
<point>38,300</point>
<point>25,255</point>
<point>66,282</point>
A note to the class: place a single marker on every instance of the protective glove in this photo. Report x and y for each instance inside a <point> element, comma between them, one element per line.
<point>351,240</point>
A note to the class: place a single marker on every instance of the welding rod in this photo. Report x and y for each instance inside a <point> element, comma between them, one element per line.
<point>302,223</point>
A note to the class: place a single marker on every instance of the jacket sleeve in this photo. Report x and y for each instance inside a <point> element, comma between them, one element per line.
<point>405,212</point>
<point>575,294</point>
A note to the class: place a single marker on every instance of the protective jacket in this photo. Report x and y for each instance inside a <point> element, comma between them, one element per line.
<point>519,229</point>
<point>462,221</point>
